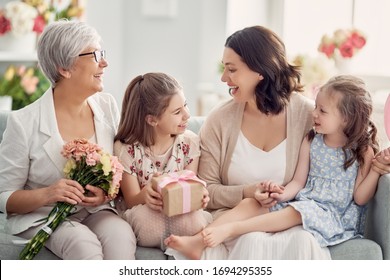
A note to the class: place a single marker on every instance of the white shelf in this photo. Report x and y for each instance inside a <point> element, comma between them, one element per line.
<point>17,56</point>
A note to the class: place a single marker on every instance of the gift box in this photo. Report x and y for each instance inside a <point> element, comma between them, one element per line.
<point>181,192</point>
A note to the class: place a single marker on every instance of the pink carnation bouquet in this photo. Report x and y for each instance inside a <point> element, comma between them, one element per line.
<point>87,164</point>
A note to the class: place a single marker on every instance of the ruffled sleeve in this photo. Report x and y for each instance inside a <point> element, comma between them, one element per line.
<point>123,152</point>
<point>189,146</point>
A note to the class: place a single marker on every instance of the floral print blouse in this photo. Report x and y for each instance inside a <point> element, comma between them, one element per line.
<point>138,161</point>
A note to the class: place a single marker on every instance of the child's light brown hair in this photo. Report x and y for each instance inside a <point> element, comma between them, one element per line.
<point>147,94</point>
<point>355,105</point>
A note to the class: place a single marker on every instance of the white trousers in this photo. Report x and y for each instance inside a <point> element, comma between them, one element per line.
<point>86,236</point>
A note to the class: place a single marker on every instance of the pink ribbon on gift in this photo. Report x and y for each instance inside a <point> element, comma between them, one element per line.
<point>181,177</point>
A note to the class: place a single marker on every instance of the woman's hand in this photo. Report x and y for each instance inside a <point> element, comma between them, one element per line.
<point>65,190</point>
<point>95,197</point>
<point>153,198</point>
<point>249,191</point>
<point>206,198</point>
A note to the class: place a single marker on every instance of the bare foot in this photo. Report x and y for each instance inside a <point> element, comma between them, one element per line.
<point>214,236</point>
<point>190,246</point>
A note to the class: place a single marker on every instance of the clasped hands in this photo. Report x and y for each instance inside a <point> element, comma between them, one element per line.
<point>268,193</point>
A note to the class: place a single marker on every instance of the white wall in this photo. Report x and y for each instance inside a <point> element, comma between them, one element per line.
<point>187,46</point>
<point>246,13</point>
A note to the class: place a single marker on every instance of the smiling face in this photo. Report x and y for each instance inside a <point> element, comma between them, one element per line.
<point>326,115</point>
<point>241,80</point>
<point>174,120</point>
<point>86,73</point>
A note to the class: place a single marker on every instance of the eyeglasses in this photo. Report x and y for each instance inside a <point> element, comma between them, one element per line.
<point>97,54</point>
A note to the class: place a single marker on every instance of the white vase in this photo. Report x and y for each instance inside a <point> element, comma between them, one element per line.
<point>344,65</point>
<point>24,44</point>
<point>5,103</point>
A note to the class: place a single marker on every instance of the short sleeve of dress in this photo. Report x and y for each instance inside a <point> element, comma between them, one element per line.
<point>135,161</point>
<point>125,156</point>
<point>190,146</point>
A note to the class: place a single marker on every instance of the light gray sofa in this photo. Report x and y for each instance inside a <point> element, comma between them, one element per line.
<point>375,245</point>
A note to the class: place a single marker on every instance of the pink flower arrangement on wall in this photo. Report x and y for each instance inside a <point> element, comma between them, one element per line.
<point>25,16</point>
<point>346,41</point>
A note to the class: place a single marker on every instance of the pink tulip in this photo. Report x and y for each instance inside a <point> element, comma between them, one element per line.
<point>5,25</point>
<point>357,40</point>
<point>328,50</point>
<point>39,24</point>
<point>29,84</point>
<point>346,49</point>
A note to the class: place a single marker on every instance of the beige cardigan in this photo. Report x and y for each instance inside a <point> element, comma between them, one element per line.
<point>219,135</point>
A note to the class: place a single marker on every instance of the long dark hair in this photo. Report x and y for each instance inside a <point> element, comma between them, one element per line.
<point>355,105</point>
<point>264,52</point>
<point>147,94</point>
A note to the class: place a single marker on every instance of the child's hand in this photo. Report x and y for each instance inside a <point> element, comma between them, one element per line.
<point>153,198</point>
<point>277,189</point>
<point>206,197</point>
<point>268,193</point>
<point>277,193</point>
<point>384,156</point>
<point>381,162</point>
<point>271,187</point>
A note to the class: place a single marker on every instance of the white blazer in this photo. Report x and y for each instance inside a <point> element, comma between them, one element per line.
<point>30,155</point>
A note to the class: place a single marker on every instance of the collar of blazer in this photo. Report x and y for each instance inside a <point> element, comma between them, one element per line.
<point>54,143</point>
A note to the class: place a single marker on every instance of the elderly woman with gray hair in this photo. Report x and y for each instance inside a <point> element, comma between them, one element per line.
<point>31,165</point>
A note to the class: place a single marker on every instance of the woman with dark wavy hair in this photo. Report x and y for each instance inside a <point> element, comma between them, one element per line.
<point>254,137</point>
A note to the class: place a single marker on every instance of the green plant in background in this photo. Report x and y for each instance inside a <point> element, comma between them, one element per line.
<point>24,84</point>
<point>221,67</point>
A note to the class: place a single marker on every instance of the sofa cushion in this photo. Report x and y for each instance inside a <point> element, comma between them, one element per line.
<point>3,122</point>
<point>10,251</point>
<point>356,249</point>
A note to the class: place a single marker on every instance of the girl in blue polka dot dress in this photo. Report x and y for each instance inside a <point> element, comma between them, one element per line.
<point>332,183</point>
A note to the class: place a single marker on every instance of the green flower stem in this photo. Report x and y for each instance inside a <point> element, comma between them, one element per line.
<point>85,175</point>
<point>57,215</point>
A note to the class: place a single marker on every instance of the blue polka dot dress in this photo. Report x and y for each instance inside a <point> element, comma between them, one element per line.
<point>326,203</point>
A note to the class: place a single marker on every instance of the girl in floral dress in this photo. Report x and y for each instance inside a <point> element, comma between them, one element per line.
<point>334,166</point>
<point>152,139</point>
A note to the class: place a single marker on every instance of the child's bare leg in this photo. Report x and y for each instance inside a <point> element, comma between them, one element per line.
<point>271,222</point>
<point>222,227</point>
<point>190,246</point>
<point>247,208</point>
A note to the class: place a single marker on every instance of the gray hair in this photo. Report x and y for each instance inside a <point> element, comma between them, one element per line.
<point>60,44</point>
